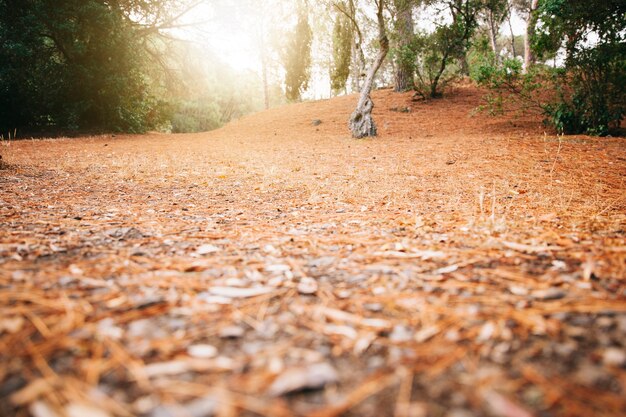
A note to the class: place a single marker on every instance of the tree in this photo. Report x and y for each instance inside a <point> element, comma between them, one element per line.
<point>403,51</point>
<point>297,57</point>
<point>361,122</point>
<point>343,35</point>
<point>349,9</point>
<point>494,13</point>
<point>456,22</point>
<point>592,85</point>
<point>528,8</point>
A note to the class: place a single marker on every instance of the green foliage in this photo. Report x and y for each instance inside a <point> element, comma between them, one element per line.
<point>406,55</point>
<point>224,96</point>
<point>439,51</point>
<point>592,89</point>
<point>342,50</point>
<point>297,57</point>
<point>72,64</point>
<point>506,81</point>
<point>196,116</point>
<point>588,93</point>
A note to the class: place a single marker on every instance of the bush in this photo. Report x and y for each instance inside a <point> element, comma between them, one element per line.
<point>587,99</point>
<point>196,116</point>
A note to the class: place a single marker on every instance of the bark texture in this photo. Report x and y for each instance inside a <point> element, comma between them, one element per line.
<point>531,23</point>
<point>493,33</point>
<point>361,122</point>
<point>404,70</point>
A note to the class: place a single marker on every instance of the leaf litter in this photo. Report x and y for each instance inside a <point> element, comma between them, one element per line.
<point>271,268</point>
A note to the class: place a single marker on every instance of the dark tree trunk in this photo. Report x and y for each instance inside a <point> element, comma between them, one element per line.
<point>403,76</point>
<point>361,122</point>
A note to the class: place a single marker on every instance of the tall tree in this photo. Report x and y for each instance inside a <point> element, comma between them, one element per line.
<point>349,9</point>
<point>494,14</point>
<point>361,121</point>
<point>447,44</point>
<point>297,56</point>
<point>403,51</point>
<point>343,35</point>
<point>528,9</point>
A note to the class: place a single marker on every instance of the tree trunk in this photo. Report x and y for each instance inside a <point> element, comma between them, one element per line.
<point>403,75</point>
<point>531,22</point>
<point>356,68</point>
<point>493,33</point>
<point>513,51</point>
<point>361,122</point>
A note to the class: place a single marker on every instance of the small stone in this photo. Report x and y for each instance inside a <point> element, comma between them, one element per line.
<point>316,122</point>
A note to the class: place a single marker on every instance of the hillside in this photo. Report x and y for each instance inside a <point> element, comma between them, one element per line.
<point>457,265</point>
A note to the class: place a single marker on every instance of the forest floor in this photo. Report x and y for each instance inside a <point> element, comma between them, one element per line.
<point>457,265</point>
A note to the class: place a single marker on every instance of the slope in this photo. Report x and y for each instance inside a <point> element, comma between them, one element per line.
<point>457,265</point>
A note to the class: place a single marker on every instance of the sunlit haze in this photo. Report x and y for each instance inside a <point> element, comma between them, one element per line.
<point>236,30</point>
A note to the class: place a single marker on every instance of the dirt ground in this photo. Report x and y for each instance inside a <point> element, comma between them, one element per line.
<point>458,265</point>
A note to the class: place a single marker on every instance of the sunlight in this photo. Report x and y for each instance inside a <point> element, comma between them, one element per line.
<point>225,31</point>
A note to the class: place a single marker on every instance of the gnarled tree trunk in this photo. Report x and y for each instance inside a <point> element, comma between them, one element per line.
<point>361,122</point>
